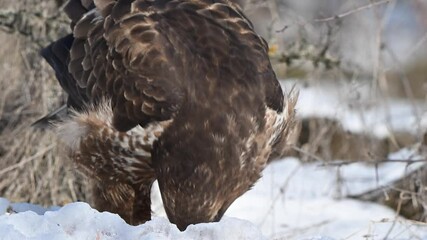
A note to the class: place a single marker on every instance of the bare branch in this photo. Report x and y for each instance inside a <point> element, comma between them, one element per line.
<point>341,163</point>
<point>406,195</point>
<point>352,11</point>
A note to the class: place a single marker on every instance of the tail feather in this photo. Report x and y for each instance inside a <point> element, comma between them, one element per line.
<point>57,54</point>
<point>50,119</point>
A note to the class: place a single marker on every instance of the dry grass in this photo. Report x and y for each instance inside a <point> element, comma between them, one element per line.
<point>32,167</point>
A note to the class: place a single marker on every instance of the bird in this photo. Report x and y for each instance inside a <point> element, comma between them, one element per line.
<point>178,91</point>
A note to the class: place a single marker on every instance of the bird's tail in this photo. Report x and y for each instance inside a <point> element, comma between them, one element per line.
<point>51,118</point>
<point>57,54</point>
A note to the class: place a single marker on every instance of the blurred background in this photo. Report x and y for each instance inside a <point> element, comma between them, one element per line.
<point>360,67</point>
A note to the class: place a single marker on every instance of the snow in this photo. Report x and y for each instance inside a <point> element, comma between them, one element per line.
<point>291,201</point>
<point>296,201</point>
<point>80,221</point>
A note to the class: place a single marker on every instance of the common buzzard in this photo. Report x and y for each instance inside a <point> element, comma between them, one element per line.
<point>181,91</point>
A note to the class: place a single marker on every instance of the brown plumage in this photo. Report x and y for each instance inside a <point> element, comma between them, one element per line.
<point>181,91</point>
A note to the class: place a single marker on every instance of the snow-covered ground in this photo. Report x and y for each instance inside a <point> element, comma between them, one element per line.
<point>295,201</point>
<point>291,201</point>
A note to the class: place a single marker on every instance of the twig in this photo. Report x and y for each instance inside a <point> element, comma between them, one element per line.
<point>72,189</point>
<point>300,150</point>
<point>352,11</point>
<point>281,192</point>
<point>340,163</point>
<point>399,207</point>
<point>406,83</point>
<point>25,161</point>
<point>416,46</point>
<point>282,29</point>
<point>301,230</point>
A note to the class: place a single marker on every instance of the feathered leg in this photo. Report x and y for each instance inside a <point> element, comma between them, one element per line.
<point>114,198</point>
<point>142,204</point>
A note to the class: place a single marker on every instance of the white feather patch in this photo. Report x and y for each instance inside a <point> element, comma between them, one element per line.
<point>71,133</point>
<point>100,117</point>
<point>279,123</point>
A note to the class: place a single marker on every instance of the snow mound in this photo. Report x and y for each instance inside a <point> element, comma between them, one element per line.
<point>80,221</point>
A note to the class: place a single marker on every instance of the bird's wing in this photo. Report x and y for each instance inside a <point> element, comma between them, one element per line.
<point>144,55</point>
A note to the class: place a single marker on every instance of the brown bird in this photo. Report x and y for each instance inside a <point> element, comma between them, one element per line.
<point>181,91</point>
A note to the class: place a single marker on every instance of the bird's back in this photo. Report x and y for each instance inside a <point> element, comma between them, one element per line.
<point>147,56</point>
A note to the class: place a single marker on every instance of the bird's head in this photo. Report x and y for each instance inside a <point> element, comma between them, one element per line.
<point>206,161</point>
